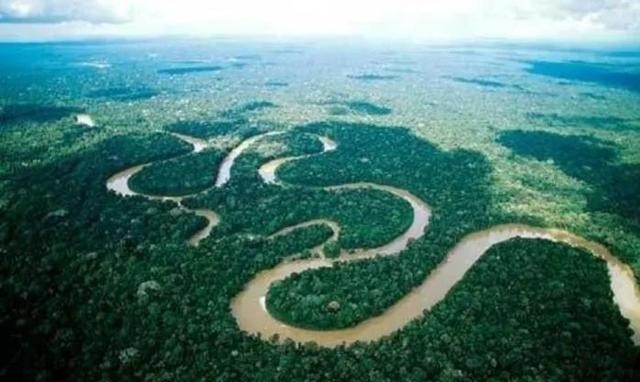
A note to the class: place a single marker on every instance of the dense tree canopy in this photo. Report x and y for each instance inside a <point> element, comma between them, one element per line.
<point>102,287</point>
<point>179,176</point>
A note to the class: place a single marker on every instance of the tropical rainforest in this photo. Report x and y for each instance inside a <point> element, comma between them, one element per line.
<point>97,285</point>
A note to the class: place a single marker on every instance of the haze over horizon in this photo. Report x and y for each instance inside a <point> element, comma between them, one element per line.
<point>616,21</point>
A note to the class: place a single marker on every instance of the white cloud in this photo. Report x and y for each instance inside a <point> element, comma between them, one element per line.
<point>613,14</point>
<point>406,19</point>
<point>56,11</point>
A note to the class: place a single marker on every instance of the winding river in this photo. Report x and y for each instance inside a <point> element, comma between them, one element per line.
<point>119,183</point>
<point>248,307</point>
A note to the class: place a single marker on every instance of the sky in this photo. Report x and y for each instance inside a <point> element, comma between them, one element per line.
<point>408,20</point>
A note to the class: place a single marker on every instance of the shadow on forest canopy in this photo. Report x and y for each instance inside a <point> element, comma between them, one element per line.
<point>372,77</point>
<point>123,94</point>
<point>210,129</point>
<point>616,186</point>
<point>248,107</point>
<point>35,113</point>
<point>599,74</point>
<point>190,69</point>
<point>357,107</point>
<point>276,84</point>
<point>485,83</point>
<point>597,122</point>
